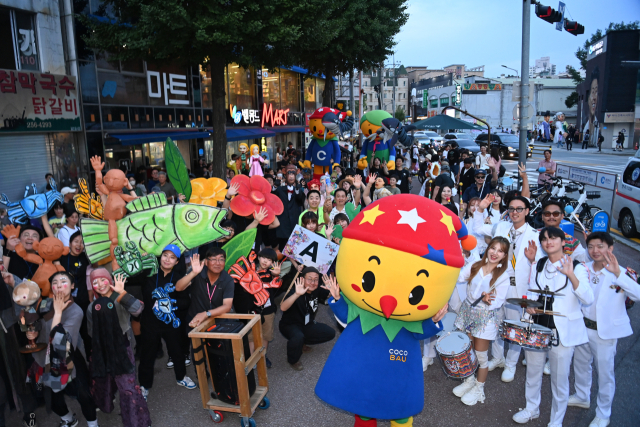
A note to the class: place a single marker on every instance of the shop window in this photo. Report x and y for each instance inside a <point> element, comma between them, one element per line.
<point>310,94</point>
<point>271,87</point>
<point>141,118</point>
<point>94,145</point>
<point>66,158</point>
<point>290,90</point>
<point>198,117</point>
<point>184,117</point>
<point>122,89</point>
<point>164,117</point>
<point>320,84</point>
<point>156,154</point>
<point>18,36</point>
<point>92,117</point>
<point>208,117</point>
<point>205,75</point>
<point>88,82</point>
<point>197,97</point>
<point>115,118</point>
<point>242,86</point>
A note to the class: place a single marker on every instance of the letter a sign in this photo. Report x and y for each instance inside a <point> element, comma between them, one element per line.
<point>311,249</point>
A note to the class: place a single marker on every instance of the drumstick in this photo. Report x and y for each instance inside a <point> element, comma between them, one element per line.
<point>476,302</point>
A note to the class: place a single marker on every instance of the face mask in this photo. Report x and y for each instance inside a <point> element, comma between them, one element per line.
<point>132,182</point>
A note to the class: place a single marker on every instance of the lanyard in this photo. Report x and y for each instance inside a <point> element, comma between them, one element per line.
<point>211,293</point>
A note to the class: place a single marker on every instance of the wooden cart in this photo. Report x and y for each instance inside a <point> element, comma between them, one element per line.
<point>248,404</point>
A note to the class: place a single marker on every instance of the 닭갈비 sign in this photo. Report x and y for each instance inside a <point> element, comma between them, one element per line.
<point>311,249</point>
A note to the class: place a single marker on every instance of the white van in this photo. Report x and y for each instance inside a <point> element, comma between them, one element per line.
<point>626,208</point>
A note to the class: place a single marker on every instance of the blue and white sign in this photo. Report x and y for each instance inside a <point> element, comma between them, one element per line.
<point>560,25</point>
<point>600,221</point>
<point>587,176</point>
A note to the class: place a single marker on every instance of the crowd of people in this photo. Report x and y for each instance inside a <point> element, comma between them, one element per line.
<point>98,324</point>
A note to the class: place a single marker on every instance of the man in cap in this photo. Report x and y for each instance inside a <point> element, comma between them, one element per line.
<point>67,202</point>
<point>481,187</point>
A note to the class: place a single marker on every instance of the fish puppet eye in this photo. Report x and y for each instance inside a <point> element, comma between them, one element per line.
<point>416,295</point>
<point>368,281</point>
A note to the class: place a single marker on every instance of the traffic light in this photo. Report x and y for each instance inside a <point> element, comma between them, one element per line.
<point>548,13</point>
<point>573,27</point>
<point>376,88</point>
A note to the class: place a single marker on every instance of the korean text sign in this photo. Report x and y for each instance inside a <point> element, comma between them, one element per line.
<point>38,102</point>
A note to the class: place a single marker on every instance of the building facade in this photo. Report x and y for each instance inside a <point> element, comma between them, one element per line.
<point>40,117</point>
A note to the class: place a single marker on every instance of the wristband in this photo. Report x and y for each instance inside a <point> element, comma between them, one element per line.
<point>228,198</point>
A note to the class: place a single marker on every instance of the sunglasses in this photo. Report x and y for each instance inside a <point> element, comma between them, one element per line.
<point>519,210</point>
<point>548,214</point>
<point>480,177</point>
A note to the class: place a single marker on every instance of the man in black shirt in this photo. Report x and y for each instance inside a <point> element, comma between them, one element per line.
<point>444,179</point>
<point>13,262</point>
<point>155,327</point>
<point>298,322</point>
<point>211,287</point>
<point>467,175</point>
<point>404,177</point>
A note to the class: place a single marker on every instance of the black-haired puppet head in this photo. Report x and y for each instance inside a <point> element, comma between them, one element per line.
<point>109,353</point>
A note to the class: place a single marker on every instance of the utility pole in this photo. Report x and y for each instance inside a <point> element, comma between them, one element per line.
<point>393,97</point>
<point>351,102</point>
<point>524,81</point>
<point>380,84</point>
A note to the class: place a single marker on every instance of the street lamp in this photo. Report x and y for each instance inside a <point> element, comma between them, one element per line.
<point>513,69</point>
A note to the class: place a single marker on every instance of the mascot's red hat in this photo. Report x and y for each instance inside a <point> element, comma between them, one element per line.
<point>413,224</point>
<point>322,111</point>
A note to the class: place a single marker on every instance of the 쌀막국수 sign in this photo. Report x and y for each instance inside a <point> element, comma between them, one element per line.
<point>311,249</point>
<point>38,102</point>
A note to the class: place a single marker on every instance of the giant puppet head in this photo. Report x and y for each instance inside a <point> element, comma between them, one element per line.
<point>400,257</point>
<point>327,123</point>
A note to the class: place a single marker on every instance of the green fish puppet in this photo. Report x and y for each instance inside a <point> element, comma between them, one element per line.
<point>153,224</point>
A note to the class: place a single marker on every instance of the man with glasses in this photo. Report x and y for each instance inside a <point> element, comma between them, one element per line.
<point>298,324</point>
<point>519,234</point>
<point>481,188</point>
<point>552,215</point>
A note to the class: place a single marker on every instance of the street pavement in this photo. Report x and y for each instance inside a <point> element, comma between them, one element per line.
<point>293,402</point>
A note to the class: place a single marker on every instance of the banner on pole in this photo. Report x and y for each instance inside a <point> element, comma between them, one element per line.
<point>311,249</point>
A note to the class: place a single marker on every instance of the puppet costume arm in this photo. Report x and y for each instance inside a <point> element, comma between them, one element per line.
<point>32,258</point>
<point>339,308</point>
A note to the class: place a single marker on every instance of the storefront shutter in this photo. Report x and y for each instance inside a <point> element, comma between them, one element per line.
<point>24,159</point>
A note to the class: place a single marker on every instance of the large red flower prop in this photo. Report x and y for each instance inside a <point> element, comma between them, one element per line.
<point>255,193</point>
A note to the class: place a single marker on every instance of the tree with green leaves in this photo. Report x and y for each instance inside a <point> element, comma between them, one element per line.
<point>359,36</point>
<point>399,114</point>
<point>581,54</point>
<point>213,33</point>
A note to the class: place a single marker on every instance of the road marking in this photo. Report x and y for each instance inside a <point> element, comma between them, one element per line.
<point>620,234</point>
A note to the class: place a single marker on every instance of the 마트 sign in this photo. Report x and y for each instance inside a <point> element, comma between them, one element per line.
<point>176,84</point>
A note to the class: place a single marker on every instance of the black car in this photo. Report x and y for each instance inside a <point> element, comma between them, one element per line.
<point>465,144</point>
<point>508,144</point>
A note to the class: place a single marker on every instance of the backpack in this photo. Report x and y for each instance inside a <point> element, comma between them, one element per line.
<point>600,138</point>
<point>502,171</point>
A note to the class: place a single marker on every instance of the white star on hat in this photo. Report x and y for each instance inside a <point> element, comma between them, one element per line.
<point>411,218</point>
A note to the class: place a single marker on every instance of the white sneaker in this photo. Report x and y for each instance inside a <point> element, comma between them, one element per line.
<point>145,393</point>
<point>496,363</point>
<point>475,395</point>
<point>547,368</point>
<point>187,383</point>
<point>599,422</point>
<point>524,416</point>
<point>426,362</point>
<point>466,385</point>
<point>508,374</point>
<point>574,401</point>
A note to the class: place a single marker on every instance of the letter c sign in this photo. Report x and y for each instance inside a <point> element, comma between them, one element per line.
<point>321,155</point>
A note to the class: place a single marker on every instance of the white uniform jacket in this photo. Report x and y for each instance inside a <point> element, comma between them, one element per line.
<point>502,228</point>
<point>610,310</point>
<point>571,328</point>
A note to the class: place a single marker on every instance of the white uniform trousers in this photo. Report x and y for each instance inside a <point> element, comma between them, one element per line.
<point>509,312</point>
<point>603,353</point>
<point>430,346</point>
<point>560,361</point>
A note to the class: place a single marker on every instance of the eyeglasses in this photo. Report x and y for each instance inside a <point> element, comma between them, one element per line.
<point>519,210</point>
<point>480,177</point>
<point>316,280</point>
<point>548,214</point>
<point>216,260</point>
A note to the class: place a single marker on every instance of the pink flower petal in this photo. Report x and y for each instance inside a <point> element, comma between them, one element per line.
<point>259,183</point>
<point>274,203</point>
<point>242,206</point>
<point>244,183</point>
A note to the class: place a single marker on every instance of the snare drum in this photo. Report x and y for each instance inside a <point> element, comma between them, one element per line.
<point>447,323</point>
<point>457,357</point>
<point>527,335</point>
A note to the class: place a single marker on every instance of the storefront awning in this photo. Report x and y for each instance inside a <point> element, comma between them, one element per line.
<point>285,129</point>
<point>240,134</point>
<point>143,138</point>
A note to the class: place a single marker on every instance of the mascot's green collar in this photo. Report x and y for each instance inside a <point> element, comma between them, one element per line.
<point>323,142</point>
<point>370,320</point>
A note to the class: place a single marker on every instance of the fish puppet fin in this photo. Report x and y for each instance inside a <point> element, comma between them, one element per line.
<point>96,239</point>
<point>147,202</point>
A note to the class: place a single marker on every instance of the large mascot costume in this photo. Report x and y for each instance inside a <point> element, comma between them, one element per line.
<point>373,144</point>
<point>325,125</point>
<point>398,264</point>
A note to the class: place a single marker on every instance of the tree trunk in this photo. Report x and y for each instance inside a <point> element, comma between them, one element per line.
<point>329,87</point>
<point>218,116</point>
